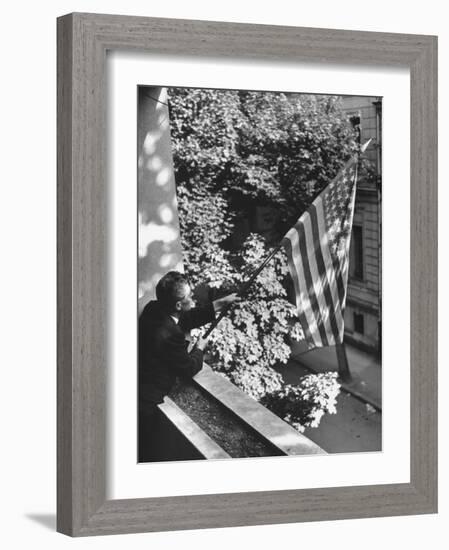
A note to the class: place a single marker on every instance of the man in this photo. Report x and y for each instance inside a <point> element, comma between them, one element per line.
<point>163,348</point>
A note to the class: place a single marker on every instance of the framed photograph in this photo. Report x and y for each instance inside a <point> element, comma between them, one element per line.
<point>284,179</point>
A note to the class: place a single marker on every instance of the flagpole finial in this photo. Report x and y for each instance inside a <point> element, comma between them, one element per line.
<point>364,147</point>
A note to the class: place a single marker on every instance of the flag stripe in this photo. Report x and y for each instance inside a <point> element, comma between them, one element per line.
<point>341,279</point>
<point>309,281</point>
<point>320,243</point>
<point>302,318</point>
<point>304,297</point>
<point>328,261</point>
<point>318,274</point>
<point>344,277</point>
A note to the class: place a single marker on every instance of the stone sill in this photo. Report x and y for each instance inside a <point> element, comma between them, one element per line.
<point>203,444</point>
<point>266,424</point>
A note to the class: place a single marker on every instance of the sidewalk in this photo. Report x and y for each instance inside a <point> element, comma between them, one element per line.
<point>366,372</point>
<point>357,424</point>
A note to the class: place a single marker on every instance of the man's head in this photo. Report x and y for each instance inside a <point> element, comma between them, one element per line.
<point>173,293</point>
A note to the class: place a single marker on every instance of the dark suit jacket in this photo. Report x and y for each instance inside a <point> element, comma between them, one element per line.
<point>163,350</point>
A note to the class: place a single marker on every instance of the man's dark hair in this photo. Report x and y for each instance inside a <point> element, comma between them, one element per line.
<point>170,289</point>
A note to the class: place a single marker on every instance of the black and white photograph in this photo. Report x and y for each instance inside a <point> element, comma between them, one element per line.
<point>259,274</point>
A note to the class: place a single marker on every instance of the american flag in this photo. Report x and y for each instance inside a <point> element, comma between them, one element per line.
<point>318,257</point>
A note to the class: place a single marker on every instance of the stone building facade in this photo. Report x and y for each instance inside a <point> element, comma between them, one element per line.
<point>363,307</point>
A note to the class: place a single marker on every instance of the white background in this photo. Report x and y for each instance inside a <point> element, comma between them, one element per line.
<point>27,286</point>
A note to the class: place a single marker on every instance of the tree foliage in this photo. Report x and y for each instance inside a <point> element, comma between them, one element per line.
<point>255,336</point>
<point>305,404</point>
<point>265,148</point>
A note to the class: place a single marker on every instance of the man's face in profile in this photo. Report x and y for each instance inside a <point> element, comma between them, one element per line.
<point>187,301</point>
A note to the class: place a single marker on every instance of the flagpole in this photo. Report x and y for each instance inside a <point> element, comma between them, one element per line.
<point>343,365</point>
<point>243,289</point>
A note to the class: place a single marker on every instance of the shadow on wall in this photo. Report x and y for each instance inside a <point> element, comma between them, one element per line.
<point>159,237</point>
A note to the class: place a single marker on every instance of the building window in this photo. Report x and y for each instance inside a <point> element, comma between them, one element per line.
<point>356,253</point>
<point>359,325</point>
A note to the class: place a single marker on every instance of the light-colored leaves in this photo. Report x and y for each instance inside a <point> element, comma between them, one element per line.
<point>305,404</point>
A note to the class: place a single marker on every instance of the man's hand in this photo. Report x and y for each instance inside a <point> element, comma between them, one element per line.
<point>222,302</point>
<point>201,343</point>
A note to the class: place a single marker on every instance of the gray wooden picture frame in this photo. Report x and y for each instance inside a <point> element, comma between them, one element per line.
<point>83,40</point>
